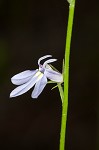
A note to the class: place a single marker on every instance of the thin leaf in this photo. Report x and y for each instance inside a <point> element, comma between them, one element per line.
<point>54,87</point>
<point>61,92</point>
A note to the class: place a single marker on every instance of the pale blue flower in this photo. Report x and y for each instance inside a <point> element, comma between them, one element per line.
<point>38,78</point>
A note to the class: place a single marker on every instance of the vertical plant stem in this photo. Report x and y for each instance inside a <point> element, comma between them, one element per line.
<point>66,74</point>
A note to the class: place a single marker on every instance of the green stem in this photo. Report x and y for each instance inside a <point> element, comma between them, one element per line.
<point>66,74</point>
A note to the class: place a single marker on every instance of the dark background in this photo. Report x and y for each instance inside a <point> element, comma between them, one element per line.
<point>30,29</point>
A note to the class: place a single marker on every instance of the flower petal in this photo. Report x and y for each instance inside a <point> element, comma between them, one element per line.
<point>41,58</point>
<point>23,77</point>
<point>39,87</point>
<point>53,75</point>
<point>27,86</point>
<point>48,61</point>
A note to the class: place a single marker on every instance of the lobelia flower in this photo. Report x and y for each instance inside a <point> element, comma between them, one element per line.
<point>27,79</point>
